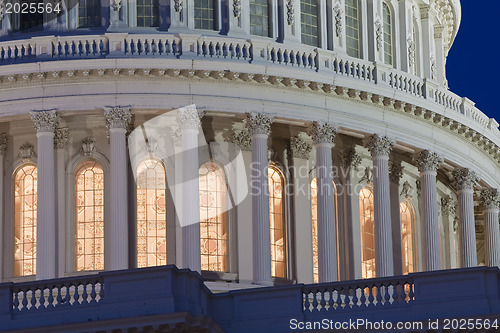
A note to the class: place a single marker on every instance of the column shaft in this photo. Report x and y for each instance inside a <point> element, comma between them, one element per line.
<point>396,229</point>
<point>431,258</point>
<point>467,227</point>
<point>492,237</point>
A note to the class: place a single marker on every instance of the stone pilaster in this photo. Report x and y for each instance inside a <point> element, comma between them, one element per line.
<point>61,139</point>
<point>380,147</point>
<point>395,174</point>
<point>117,121</point>
<point>490,199</point>
<point>3,150</point>
<point>427,163</point>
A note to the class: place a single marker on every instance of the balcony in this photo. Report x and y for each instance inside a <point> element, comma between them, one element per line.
<point>169,299</point>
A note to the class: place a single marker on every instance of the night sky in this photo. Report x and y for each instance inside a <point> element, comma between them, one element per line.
<point>473,64</point>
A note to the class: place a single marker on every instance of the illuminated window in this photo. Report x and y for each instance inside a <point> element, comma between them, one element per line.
<point>213,225</point>
<point>309,22</point>
<point>259,17</point>
<point>25,201</point>
<point>151,214</point>
<point>387,18</point>
<point>277,217</point>
<point>148,13</point>
<point>407,221</point>
<point>89,196</point>
<point>352,27</point>
<point>204,14</point>
<point>367,233</point>
<point>89,13</point>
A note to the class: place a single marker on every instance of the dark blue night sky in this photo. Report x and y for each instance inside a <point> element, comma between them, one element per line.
<point>473,64</point>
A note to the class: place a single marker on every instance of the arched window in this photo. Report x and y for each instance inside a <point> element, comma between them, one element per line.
<point>277,217</point>
<point>367,233</point>
<point>407,236</point>
<point>352,27</point>
<point>387,28</point>
<point>204,14</point>
<point>89,13</point>
<point>89,197</point>
<point>148,13</point>
<point>151,214</point>
<point>25,210</point>
<point>259,17</point>
<point>309,22</point>
<point>213,225</point>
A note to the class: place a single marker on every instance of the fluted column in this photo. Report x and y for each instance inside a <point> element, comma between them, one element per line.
<point>490,199</point>
<point>380,148</point>
<point>465,181</point>
<point>3,150</point>
<point>427,163</point>
<point>395,174</point>
<point>61,144</point>
<point>259,126</point>
<point>117,121</point>
<point>189,122</point>
<point>46,256</point>
<point>323,135</point>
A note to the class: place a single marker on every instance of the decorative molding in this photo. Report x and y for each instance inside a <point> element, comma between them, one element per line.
<point>290,12</point>
<point>237,8</point>
<point>349,159</point>
<point>411,50</point>
<point>178,6</point>
<point>322,132</point>
<point>242,139</point>
<point>259,123</point>
<point>427,161</point>
<point>339,17</point>
<point>4,139</point>
<point>27,152</point>
<point>189,117</point>
<point>176,133</point>
<point>116,4</point>
<point>378,33</point>
<point>490,198</point>
<point>61,138</point>
<point>117,116</point>
<point>45,120</point>
<point>379,145</point>
<point>464,179</point>
<point>407,191</point>
<point>88,146</point>
<point>300,148</point>
<point>449,206</point>
<point>395,172</point>
<point>418,184</point>
<point>433,68</point>
<point>367,176</point>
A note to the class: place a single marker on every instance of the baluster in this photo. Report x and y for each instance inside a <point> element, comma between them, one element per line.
<point>15,300</point>
<point>50,298</point>
<point>411,293</point>
<point>371,297</point>
<point>32,301</point>
<point>315,301</point>
<point>363,298</point>
<point>101,291</point>
<point>93,294</point>
<point>67,297</point>
<point>212,49</point>
<point>85,295</point>
<point>378,293</point>
<point>42,298</point>
<point>322,302</point>
<point>355,298</point>
<point>76,295</point>
<point>25,300</point>
<point>59,299</point>
<point>101,47</point>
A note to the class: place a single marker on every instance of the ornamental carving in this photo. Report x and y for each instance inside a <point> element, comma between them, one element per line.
<point>117,117</point>
<point>300,148</point>
<point>490,198</point>
<point>337,13</point>
<point>45,120</point>
<point>27,152</point>
<point>464,179</point>
<point>448,206</point>
<point>176,133</point>
<point>427,161</point>
<point>178,5</point>
<point>290,12</point>
<point>61,138</point>
<point>395,172</point>
<point>259,123</point>
<point>350,159</point>
<point>237,8</point>
<point>367,176</point>
<point>189,117</point>
<point>433,68</point>
<point>3,143</point>
<point>88,146</point>
<point>116,4</point>
<point>242,139</point>
<point>378,34</point>
<point>411,50</point>
<point>379,145</point>
<point>407,191</point>
<point>322,132</point>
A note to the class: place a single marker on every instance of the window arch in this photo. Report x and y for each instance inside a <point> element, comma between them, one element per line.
<point>309,22</point>
<point>407,214</point>
<point>148,13</point>
<point>277,219</point>
<point>151,213</point>
<point>89,198</point>
<point>89,13</point>
<point>366,214</point>
<point>259,17</point>
<point>213,217</point>
<point>352,27</point>
<point>387,30</point>
<point>204,14</point>
<point>25,219</point>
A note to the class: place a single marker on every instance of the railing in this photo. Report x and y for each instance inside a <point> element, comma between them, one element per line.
<point>91,46</point>
<point>299,58</point>
<point>152,45</point>
<point>405,83</point>
<point>353,68</point>
<point>17,50</point>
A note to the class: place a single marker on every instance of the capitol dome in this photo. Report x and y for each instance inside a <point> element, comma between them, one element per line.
<point>331,148</point>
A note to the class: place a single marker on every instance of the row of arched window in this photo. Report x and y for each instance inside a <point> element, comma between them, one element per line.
<point>152,220</point>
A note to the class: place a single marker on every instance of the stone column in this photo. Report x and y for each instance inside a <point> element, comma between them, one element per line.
<point>395,174</point>
<point>380,148</point>
<point>427,163</point>
<point>259,125</point>
<point>323,135</point>
<point>3,150</point>
<point>490,199</point>
<point>465,181</point>
<point>300,151</point>
<point>61,144</point>
<point>46,256</point>
<point>117,121</point>
<point>189,122</point>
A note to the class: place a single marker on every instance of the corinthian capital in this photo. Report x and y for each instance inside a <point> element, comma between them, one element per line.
<point>464,178</point>
<point>3,143</point>
<point>427,161</point>
<point>322,132</point>
<point>490,198</point>
<point>395,172</point>
<point>189,117</point>
<point>300,148</point>
<point>350,159</point>
<point>259,123</point>
<point>448,206</point>
<point>61,138</point>
<point>379,145</point>
<point>117,117</point>
<point>45,120</point>
<point>242,139</point>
